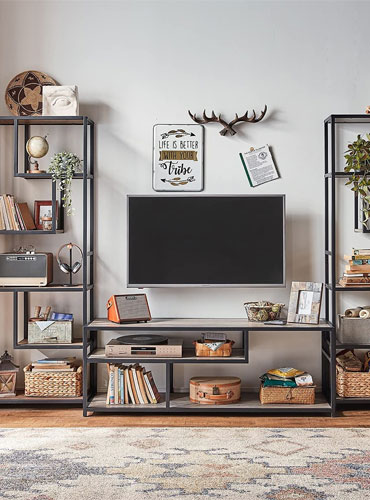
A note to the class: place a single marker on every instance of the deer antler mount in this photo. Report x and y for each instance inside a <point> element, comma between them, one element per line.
<point>228,127</point>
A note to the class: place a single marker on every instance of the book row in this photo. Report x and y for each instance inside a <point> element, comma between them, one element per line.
<point>14,216</point>
<point>131,385</point>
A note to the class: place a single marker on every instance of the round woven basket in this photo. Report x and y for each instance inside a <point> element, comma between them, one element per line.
<point>263,311</point>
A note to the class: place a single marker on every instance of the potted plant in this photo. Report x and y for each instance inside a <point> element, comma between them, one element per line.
<point>357,159</point>
<point>62,168</point>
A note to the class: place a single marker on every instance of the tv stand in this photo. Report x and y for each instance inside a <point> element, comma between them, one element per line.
<point>179,402</point>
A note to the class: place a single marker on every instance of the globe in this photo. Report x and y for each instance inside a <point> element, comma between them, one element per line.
<point>37,146</point>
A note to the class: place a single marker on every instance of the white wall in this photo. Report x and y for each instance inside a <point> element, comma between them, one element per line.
<point>138,63</point>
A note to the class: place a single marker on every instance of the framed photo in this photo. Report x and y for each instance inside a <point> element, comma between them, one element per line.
<point>43,208</point>
<point>178,157</point>
<point>305,302</point>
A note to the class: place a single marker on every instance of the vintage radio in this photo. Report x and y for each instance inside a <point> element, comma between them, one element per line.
<point>127,308</point>
<point>26,269</point>
<point>142,345</point>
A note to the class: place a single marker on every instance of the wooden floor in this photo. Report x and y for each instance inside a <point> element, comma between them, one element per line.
<point>59,417</point>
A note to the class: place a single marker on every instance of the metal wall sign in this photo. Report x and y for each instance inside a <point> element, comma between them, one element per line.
<point>178,157</point>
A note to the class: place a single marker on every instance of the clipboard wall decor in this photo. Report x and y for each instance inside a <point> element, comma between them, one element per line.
<point>259,166</point>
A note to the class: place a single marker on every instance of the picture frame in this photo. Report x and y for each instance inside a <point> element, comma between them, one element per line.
<point>305,302</point>
<point>43,208</point>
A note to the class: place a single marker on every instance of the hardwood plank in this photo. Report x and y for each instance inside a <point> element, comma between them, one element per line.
<point>72,417</point>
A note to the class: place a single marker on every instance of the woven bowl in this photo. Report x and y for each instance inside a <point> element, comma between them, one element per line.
<point>263,311</point>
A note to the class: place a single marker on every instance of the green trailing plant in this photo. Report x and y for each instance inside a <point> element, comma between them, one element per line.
<point>357,159</point>
<point>62,168</point>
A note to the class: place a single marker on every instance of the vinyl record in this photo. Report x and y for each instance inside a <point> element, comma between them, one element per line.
<point>142,339</point>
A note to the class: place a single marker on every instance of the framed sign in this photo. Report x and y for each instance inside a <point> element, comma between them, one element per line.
<point>178,157</point>
<point>305,302</point>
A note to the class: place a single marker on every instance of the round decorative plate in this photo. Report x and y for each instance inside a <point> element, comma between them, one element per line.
<point>23,95</point>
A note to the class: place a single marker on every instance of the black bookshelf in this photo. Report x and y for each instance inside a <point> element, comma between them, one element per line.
<point>86,288</point>
<point>331,177</point>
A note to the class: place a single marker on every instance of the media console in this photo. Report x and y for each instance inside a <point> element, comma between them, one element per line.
<point>179,402</point>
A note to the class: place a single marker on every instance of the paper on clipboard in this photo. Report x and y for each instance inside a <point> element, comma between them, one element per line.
<point>259,166</point>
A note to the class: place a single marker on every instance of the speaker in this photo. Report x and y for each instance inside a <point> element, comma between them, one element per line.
<point>128,308</point>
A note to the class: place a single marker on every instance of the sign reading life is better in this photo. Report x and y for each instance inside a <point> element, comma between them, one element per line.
<point>178,158</point>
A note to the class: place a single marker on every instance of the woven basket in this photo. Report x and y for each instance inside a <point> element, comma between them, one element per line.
<point>52,384</point>
<point>353,384</point>
<point>287,395</point>
<point>203,350</point>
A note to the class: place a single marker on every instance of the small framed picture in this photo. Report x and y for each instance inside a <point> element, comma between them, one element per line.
<point>43,208</point>
<point>305,302</point>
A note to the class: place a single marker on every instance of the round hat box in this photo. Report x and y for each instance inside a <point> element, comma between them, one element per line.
<point>214,390</point>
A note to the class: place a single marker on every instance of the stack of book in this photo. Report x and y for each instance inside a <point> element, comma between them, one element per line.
<point>54,365</point>
<point>357,271</point>
<point>131,385</point>
<point>14,216</point>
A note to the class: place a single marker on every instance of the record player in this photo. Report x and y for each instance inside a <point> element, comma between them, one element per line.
<point>142,345</point>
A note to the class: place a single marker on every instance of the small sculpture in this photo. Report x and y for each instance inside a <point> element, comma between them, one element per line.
<point>367,110</point>
<point>60,100</point>
<point>228,127</point>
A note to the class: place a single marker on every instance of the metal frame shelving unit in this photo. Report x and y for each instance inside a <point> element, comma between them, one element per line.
<point>21,294</point>
<point>331,175</point>
<point>178,402</point>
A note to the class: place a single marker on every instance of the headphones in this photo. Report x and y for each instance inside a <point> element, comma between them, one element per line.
<point>65,267</point>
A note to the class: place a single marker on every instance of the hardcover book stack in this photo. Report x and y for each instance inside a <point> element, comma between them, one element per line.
<point>131,385</point>
<point>357,272</point>
<point>54,365</point>
<point>14,216</point>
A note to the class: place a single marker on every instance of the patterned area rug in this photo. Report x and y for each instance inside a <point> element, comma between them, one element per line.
<point>191,463</point>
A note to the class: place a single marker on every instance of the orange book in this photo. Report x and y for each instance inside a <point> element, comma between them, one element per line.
<point>26,216</point>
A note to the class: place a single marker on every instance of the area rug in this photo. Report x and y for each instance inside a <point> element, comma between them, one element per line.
<point>191,463</point>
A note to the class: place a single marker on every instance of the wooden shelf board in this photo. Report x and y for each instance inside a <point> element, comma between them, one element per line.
<point>98,356</point>
<point>20,398</point>
<point>248,401</point>
<point>222,324</point>
<point>48,288</point>
<point>23,344</point>
<point>98,402</point>
<point>353,401</point>
<point>31,231</point>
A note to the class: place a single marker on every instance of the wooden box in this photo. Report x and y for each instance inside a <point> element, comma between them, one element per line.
<point>214,390</point>
<point>58,332</point>
<point>202,349</point>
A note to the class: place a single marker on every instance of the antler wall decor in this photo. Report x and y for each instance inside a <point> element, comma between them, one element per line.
<point>228,127</point>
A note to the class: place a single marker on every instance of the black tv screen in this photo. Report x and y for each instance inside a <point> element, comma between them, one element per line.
<point>199,240</point>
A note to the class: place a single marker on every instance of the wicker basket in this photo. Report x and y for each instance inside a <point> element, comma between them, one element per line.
<point>203,350</point>
<point>287,395</point>
<point>52,384</point>
<point>353,384</point>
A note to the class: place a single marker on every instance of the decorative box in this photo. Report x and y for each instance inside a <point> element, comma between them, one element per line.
<point>50,332</point>
<point>201,349</point>
<point>215,390</point>
<point>353,330</point>
<point>287,395</point>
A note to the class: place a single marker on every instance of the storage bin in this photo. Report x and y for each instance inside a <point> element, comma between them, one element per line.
<point>59,332</point>
<point>353,384</point>
<point>202,349</point>
<point>287,395</point>
<point>353,330</point>
<point>52,384</point>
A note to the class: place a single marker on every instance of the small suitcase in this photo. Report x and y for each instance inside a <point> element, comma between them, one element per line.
<point>214,390</point>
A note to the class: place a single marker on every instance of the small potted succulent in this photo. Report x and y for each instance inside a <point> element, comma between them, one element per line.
<point>62,168</point>
<point>357,159</point>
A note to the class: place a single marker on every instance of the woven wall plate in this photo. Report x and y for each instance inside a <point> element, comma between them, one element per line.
<point>23,95</point>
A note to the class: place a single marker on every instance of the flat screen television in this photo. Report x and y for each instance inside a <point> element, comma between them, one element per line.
<point>201,240</point>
